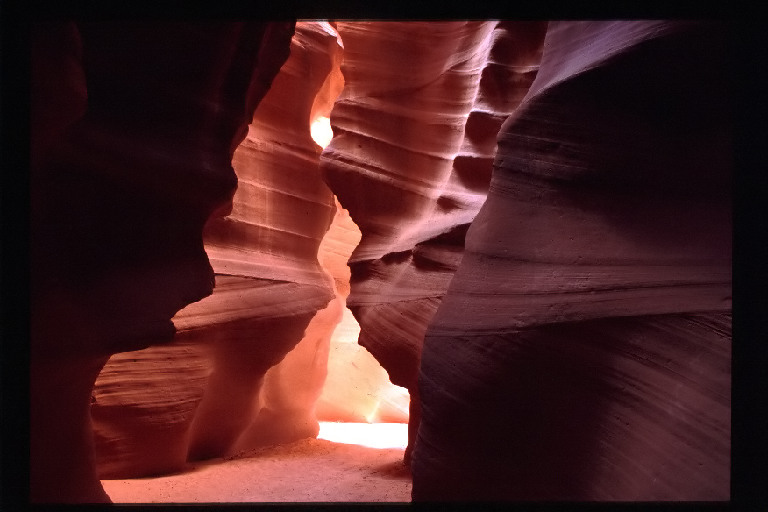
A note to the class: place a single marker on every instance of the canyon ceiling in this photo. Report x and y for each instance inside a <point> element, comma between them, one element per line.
<point>531,222</point>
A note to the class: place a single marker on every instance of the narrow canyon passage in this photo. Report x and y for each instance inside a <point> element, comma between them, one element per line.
<point>273,455</point>
<point>347,462</point>
<point>356,457</point>
<point>380,261</point>
<point>359,459</point>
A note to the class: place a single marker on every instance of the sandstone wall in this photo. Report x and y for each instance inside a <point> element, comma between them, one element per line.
<point>414,137</point>
<point>132,143</point>
<point>209,393</point>
<point>582,351</point>
<point>566,338</point>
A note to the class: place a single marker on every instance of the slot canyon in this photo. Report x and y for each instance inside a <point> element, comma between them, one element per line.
<point>506,242</point>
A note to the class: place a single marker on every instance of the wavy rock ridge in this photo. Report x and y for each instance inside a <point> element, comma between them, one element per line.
<point>583,346</point>
<point>411,160</point>
<point>271,293</point>
<point>544,261</point>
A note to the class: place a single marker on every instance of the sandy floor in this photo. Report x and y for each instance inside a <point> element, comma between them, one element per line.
<point>310,470</point>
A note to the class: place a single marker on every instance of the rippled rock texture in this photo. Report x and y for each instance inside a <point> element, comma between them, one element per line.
<point>582,351</point>
<point>544,257</point>
<point>218,389</point>
<point>414,138</point>
<point>131,149</point>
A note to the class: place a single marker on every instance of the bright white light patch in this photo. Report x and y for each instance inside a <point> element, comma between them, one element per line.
<point>373,435</point>
<point>321,131</point>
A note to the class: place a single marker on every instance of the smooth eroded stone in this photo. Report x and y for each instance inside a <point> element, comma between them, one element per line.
<point>269,286</point>
<point>415,135</point>
<point>133,128</point>
<point>582,351</point>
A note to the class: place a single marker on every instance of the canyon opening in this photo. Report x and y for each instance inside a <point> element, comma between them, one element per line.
<point>380,261</point>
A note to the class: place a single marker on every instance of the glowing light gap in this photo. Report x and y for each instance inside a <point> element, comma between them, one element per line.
<point>372,435</point>
<point>321,131</point>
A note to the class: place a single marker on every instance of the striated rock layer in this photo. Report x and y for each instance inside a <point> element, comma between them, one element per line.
<point>582,351</point>
<point>270,243</point>
<point>576,325</point>
<point>414,138</point>
<point>271,295</point>
<point>131,148</point>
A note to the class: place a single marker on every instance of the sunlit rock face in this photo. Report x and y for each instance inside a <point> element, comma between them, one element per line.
<point>411,159</point>
<point>288,399</point>
<point>217,394</point>
<point>281,212</point>
<point>131,148</point>
<point>583,348</point>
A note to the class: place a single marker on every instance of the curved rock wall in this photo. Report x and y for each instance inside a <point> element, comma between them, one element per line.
<point>131,148</point>
<point>215,396</point>
<point>582,351</point>
<point>414,138</point>
<point>269,244</point>
<point>576,325</point>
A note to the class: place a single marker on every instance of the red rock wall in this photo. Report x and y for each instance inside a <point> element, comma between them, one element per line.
<point>415,132</point>
<point>131,148</point>
<point>270,243</point>
<point>577,338</point>
<point>269,287</point>
<point>582,351</point>
<point>292,388</point>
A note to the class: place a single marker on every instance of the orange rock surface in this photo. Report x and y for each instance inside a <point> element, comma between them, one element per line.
<point>411,160</point>
<point>530,222</point>
<point>269,289</point>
